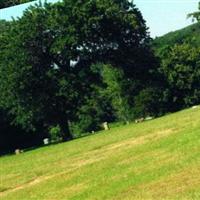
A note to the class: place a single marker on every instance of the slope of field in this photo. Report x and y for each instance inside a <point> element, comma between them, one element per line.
<point>158,159</point>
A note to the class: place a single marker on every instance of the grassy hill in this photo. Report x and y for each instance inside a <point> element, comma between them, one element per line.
<point>158,159</point>
<point>189,34</point>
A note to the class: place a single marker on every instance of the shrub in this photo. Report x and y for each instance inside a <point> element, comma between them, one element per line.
<point>55,133</point>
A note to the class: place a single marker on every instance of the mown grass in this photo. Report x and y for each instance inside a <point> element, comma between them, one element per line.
<point>158,159</point>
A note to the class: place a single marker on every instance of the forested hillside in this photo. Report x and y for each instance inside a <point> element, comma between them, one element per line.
<point>190,34</point>
<point>178,54</point>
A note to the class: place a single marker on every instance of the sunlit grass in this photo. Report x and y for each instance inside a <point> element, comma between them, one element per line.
<point>158,159</point>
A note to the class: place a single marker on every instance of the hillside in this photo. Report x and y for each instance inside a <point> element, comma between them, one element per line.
<point>188,34</point>
<point>158,159</point>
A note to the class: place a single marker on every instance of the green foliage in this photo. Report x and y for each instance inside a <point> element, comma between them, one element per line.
<point>189,35</point>
<point>195,15</point>
<point>181,70</point>
<point>116,90</point>
<point>78,64</point>
<point>89,116</point>
<point>148,103</point>
<point>50,82</point>
<point>179,57</point>
<point>31,85</point>
<point>96,108</point>
<point>55,133</point>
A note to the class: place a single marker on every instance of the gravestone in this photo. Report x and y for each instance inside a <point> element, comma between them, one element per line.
<point>17,151</point>
<point>139,120</point>
<point>148,118</point>
<point>105,126</point>
<point>46,141</point>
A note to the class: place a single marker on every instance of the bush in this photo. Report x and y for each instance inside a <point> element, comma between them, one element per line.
<point>55,133</point>
<point>148,103</point>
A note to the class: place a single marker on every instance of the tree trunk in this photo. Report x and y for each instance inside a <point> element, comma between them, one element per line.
<point>65,131</point>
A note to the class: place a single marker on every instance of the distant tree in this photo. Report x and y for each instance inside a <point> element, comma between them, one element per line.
<point>96,107</point>
<point>181,69</point>
<point>149,102</point>
<point>116,90</point>
<point>107,101</point>
<point>195,15</point>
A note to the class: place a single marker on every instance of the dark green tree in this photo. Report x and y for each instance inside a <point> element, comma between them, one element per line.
<point>149,102</point>
<point>45,68</point>
<point>33,88</point>
<point>181,70</point>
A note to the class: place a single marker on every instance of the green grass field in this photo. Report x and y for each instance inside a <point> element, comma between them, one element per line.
<point>158,159</point>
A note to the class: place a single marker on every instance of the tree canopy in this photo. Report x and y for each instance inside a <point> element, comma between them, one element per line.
<point>45,69</point>
<point>180,67</point>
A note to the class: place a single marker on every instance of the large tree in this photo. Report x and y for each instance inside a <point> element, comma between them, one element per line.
<point>45,66</point>
<point>30,80</point>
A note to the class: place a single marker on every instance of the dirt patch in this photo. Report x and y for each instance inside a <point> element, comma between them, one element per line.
<point>83,162</point>
<point>141,139</point>
<point>106,151</point>
<point>30,183</point>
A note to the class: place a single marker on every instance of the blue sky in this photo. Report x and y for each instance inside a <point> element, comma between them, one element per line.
<point>162,16</point>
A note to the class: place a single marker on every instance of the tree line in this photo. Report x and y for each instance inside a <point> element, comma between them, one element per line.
<point>66,68</point>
